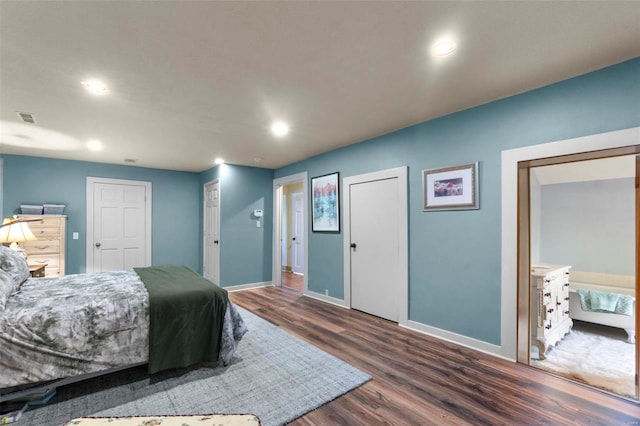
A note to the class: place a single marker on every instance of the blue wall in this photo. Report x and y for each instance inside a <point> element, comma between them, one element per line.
<point>245,250</point>
<point>454,256</point>
<point>176,200</point>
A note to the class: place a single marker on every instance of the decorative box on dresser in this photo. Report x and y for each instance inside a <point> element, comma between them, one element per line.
<point>550,304</point>
<point>49,249</point>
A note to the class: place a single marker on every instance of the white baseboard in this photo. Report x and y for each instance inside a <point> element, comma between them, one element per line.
<point>328,299</point>
<point>249,286</point>
<point>458,339</point>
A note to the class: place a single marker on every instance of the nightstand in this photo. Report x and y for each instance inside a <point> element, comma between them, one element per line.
<point>37,271</point>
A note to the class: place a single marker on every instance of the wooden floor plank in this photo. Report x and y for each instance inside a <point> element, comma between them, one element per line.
<point>418,379</point>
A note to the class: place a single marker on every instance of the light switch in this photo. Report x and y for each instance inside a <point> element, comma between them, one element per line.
<point>75,235</point>
<point>257,224</point>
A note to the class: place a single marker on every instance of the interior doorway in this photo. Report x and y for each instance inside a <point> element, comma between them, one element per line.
<point>376,243</point>
<point>118,224</point>
<point>211,229</point>
<point>290,236</point>
<point>578,260</point>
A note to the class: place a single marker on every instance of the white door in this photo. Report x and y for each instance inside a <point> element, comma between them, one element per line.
<point>118,224</point>
<point>375,246</point>
<point>212,231</point>
<point>297,227</point>
<point>284,235</point>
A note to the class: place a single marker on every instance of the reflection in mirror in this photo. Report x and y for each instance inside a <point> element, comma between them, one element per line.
<point>583,259</point>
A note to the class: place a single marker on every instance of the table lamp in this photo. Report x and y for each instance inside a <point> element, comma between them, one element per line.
<point>14,231</point>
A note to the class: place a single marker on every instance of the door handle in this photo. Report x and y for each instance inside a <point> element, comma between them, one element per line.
<point>353,245</point>
<point>215,241</point>
<point>294,238</point>
<point>98,245</point>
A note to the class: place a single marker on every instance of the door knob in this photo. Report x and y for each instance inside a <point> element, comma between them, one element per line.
<point>353,245</point>
<point>98,245</point>
<point>215,241</point>
<point>294,238</point>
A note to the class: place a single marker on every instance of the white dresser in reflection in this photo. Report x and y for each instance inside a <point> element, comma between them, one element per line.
<point>550,320</point>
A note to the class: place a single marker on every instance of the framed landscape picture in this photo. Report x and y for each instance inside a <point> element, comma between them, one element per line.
<point>451,188</point>
<point>325,203</point>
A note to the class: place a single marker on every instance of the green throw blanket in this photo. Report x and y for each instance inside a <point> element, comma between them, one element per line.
<point>186,314</point>
<point>600,301</point>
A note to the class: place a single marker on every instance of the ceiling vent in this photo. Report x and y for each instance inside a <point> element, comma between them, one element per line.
<point>27,117</point>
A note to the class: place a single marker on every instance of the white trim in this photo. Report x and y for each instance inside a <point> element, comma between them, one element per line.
<point>241,287</point>
<point>1,188</point>
<point>403,277</point>
<point>326,299</point>
<point>91,181</point>
<point>510,159</point>
<point>457,339</point>
<point>276,269</point>
<point>217,225</point>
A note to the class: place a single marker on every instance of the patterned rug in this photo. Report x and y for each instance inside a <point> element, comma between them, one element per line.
<point>274,375</point>
<point>211,420</point>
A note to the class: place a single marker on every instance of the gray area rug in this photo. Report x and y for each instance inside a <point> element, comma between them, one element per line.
<point>274,375</point>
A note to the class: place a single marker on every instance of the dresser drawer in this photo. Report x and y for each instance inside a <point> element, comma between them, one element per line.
<point>44,259</point>
<point>45,232</point>
<point>51,272</point>
<point>46,222</point>
<point>41,247</point>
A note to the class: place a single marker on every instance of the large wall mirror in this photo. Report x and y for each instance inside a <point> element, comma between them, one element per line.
<point>578,232</point>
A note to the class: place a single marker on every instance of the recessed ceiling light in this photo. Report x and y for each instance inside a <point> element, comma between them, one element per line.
<point>94,145</point>
<point>95,86</point>
<point>443,47</point>
<point>257,159</point>
<point>279,128</point>
<point>219,161</point>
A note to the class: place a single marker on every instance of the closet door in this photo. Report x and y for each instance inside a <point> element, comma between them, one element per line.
<point>374,238</point>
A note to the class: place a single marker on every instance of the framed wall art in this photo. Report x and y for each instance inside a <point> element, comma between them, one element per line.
<point>451,188</point>
<point>325,203</point>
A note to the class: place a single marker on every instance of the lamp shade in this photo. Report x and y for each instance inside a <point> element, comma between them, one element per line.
<point>15,232</point>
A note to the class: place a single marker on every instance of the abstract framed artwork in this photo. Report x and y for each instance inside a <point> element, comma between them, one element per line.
<point>451,188</point>
<point>325,203</point>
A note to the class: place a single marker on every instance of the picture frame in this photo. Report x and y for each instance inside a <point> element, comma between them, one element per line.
<point>325,203</point>
<point>451,188</point>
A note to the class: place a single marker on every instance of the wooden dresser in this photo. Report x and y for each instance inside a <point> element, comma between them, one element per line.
<point>550,320</point>
<point>49,249</point>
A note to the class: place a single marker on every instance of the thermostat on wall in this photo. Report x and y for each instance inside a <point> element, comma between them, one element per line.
<point>257,213</point>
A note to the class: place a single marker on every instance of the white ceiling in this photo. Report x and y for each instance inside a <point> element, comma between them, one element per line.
<point>192,81</point>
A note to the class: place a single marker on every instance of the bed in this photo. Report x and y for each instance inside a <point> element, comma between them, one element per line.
<point>605,284</point>
<point>82,325</point>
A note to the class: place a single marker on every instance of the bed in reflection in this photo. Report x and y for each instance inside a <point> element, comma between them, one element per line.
<point>605,299</point>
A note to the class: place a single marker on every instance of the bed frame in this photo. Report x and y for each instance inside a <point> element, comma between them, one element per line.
<point>623,284</point>
<point>38,390</point>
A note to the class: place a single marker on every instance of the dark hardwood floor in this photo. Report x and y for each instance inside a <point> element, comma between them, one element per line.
<point>420,380</point>
<point>293,281</point>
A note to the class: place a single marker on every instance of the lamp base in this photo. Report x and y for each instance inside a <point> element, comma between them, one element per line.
<point>14,246</point>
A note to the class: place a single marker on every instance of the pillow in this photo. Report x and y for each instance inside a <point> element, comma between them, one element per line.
<point>14,264</point>
<point>7,286</point>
